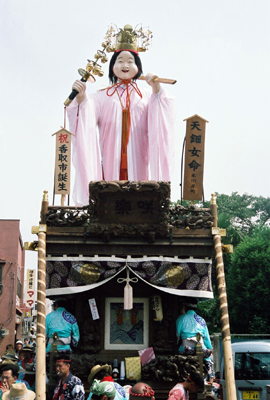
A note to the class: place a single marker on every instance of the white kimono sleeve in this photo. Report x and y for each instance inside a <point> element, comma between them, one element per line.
<point>161,120</point>
<point>86,155</point>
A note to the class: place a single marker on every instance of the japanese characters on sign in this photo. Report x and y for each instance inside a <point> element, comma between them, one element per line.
<point>27,316</point>
<point>194,158</point>
<point>62,162</point>
<point>139,208</point>
<point>129,208</point>
<point>94,310</point>
<point>30,288</point>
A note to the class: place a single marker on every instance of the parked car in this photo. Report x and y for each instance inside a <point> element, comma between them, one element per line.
<point>252,370</point>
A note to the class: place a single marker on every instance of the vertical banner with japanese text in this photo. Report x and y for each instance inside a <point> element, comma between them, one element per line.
<point>62,161</point>
<point>194,158</point>
<point>30,288</point>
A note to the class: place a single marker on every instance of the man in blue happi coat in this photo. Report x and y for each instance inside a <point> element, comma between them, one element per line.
<point>69,386</point>
<point>63,323</point>
<point>187,326</point>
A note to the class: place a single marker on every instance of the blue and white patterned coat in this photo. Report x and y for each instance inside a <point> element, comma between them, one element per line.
<point>187,325</point>
<point>65,324</point>
<point>72,389</point>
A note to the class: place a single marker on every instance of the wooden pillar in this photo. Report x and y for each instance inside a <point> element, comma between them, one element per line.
<point>213,208</point>
<point>224,316</point>
<point>44,207</point>
<point>216,353</point>
<point>41,306</point>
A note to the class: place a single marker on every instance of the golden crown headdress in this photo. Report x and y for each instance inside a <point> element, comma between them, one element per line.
<point>127,39</point>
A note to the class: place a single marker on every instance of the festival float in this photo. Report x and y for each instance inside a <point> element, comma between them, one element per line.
<point>123,256</point>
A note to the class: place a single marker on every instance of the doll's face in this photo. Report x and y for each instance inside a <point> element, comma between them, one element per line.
<point>125,66</point>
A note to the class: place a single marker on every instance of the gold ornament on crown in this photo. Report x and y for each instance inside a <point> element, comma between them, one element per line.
<point>128,38</point>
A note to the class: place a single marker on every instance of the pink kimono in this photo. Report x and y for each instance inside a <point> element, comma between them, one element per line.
<point>178,393</point>
<point>97,125</point>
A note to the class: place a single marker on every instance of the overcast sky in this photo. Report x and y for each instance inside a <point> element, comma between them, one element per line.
<point>218,51</point>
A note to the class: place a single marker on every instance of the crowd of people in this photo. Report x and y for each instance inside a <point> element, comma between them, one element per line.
<point>103,387</point>
<point>15,383</point>
<point>17,369</point>
<point>18,365</point>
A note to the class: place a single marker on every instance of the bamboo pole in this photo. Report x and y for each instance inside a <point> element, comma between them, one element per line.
<point>63,197</point>
<point>224,316</point>
<point>41,305</point>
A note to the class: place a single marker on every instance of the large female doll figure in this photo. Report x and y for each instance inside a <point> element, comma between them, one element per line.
<point>121,132</point>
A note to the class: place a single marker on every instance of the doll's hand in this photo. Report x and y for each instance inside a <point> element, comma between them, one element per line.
<point>150,80</point>
<point>81,88</point>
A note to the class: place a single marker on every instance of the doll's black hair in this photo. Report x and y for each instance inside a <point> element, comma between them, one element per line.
<point>138,62</point>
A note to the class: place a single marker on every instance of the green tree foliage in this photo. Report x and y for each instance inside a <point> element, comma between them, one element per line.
<point>246,219</point>
<point>240,215</point>
<point>248,284</point>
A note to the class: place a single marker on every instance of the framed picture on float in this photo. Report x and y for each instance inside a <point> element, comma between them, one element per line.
<point>126,329</point>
